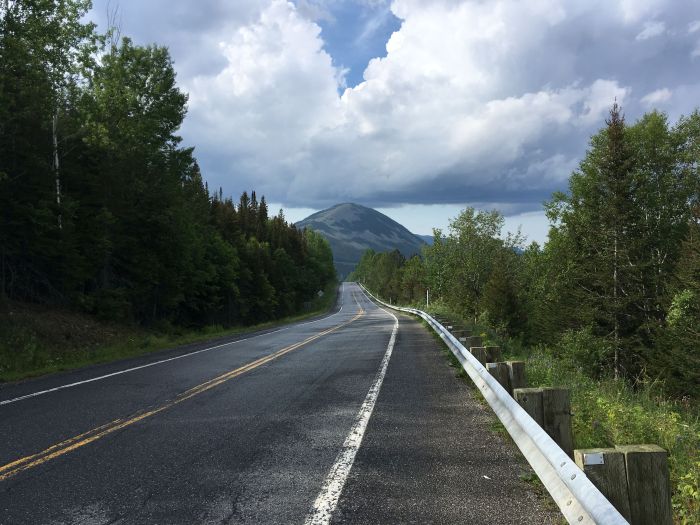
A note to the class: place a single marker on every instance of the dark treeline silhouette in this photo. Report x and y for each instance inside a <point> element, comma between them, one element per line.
<point>102,209</point>
<point>616,289</point>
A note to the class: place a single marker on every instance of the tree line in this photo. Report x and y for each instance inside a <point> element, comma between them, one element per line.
<point>102,208</point>
<point>619,277</point>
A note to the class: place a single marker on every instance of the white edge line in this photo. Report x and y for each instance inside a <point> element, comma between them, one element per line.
<point>188,354</point>
<point>328,498</point>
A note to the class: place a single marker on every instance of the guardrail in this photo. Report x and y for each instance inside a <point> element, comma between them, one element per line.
<point>578,499</point>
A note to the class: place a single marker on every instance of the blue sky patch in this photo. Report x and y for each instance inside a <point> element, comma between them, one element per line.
<point>354,33</point>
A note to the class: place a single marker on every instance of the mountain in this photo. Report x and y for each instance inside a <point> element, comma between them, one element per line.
<point>351,229</point>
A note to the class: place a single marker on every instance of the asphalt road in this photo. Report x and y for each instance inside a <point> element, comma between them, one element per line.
<point>352,418</point>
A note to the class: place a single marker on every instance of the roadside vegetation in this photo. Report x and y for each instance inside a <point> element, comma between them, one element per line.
<point>38,339</point>
<point>103,212</point>
<point>609,306</point>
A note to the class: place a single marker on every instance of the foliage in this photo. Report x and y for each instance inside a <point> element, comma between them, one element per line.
<point>101,208</point>
<point>41,339</point>
<point>621,266</point>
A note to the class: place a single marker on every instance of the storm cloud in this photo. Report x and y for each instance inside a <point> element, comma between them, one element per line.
<point>488,102</point>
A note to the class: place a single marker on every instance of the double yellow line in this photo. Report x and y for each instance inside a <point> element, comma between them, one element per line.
<point>64,447</point>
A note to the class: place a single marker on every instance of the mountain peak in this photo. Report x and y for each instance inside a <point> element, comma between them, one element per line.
<point>352,228</point>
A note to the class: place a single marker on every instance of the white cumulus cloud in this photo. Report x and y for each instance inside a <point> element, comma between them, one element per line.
<point>657,97</point>
<point>474,101</point>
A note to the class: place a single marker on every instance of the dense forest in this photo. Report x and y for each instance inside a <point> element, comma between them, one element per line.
<point>103,210</point>
<point>619,275</point>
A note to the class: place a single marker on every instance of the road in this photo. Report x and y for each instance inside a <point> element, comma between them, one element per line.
<point>352,418</point>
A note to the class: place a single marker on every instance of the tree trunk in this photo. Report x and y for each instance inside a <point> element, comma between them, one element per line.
<point>3,294</point>
<point>56,169</point>
<point>616,332</point>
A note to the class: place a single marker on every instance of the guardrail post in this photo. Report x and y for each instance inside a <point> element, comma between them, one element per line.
<point>494,354</point>
<point>551,409</point>
<point>556,409</point>
<point>605,467</point>
<point>500,372</point>
<point>474,340</point>
<point>479,352</point>
<point>648,484</point>
<point>516,374</point>
<point>531,401</point>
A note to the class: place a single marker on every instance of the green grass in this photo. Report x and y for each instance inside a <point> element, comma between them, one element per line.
<point>36,341</point>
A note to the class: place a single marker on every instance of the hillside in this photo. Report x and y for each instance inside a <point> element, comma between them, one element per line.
<point>351,229</point>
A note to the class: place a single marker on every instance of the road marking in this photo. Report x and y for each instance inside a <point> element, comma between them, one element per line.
<point>64,447</point>
<point>189,354</point>
<point>327,500</point>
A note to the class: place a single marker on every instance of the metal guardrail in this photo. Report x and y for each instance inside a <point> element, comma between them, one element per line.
<point>579,500</point>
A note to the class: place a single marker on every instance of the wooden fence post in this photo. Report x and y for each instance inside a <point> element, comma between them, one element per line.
<point>605,467</point>
<point>551,409</point>
<point>531,400</point>
<point>474,340</point>
<point>648,484</point>
<point>494,354</point>
<point>556,409</point>
<point>479,352</point>
<point>500,372</point>
<point>516,374</point>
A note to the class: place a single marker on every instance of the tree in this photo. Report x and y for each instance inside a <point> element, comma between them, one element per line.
<point>601,222</point>
<point>619,232</point>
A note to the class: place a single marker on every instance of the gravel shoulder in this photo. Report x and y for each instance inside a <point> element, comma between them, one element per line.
<point>433,452</point>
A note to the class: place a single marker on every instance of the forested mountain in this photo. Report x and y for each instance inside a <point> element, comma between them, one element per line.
<point>103,210</point>
<point>351,229</point>
<point>619,278</point>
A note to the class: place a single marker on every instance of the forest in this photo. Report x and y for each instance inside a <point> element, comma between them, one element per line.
<point>102,209</point>
<point>620,273</point>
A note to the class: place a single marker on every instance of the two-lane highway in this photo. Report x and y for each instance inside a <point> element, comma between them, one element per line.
<point>345,419</point>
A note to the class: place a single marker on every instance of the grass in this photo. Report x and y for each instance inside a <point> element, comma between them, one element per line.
<point>36,341</point>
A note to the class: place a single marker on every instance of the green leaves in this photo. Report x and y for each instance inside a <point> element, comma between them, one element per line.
<point>140,238</point>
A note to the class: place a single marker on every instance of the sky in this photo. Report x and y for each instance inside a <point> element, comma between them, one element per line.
<point>418,108</point>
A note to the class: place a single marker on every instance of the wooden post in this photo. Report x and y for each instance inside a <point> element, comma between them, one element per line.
<point>551,409</point>
<point>605,467</point>
<point>474,340</point>
<point>516,374</point>
<point>500,372</point>
<point>479,352</point>
<point>648,484</point>
<point>531,400</point>
<point>494,354</point>
<point>556,409</point>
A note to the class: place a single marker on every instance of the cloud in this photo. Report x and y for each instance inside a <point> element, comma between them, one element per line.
<point>651,30</point>
<point>657,97</point>
<point>474,102</point>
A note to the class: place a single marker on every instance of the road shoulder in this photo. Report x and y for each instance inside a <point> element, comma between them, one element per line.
<point>432,454</point>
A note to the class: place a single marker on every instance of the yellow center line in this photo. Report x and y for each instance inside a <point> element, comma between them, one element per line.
<point>68,445</point>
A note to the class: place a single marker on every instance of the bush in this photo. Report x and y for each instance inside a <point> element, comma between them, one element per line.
<point>586,350</point>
